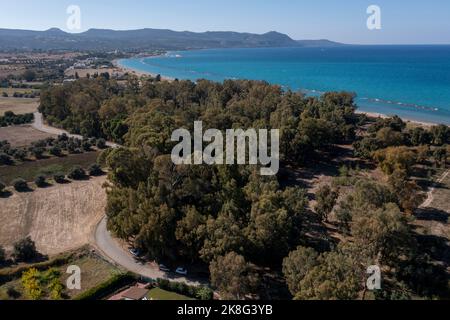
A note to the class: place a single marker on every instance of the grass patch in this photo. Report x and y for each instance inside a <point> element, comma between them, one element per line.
<point>160,294</point>
<point>46,167</point>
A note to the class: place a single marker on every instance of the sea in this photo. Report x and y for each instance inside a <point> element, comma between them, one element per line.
<point>412,82</point>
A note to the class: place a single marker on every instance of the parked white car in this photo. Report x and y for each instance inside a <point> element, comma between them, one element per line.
<point>181,271</point>
<point>163,268</point>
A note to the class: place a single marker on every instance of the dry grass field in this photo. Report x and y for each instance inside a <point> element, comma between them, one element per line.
<point>57,218</point>
<point>18,105</point>
<point>22,136</point>
<point>82,73</point>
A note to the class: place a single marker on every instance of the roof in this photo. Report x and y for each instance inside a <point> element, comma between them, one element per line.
<point>135,293</point>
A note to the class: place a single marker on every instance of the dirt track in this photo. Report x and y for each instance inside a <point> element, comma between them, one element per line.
<point>57,218</point>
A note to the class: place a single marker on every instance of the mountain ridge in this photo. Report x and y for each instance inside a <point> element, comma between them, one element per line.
<point>144,39</point>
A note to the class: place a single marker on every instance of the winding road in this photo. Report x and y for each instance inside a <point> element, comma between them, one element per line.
<point>111,249</point>
<point>39,125</point>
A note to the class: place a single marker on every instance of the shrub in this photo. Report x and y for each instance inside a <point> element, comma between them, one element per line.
<point>63,137</point>
<point>202,293</point>
<point>5,159</point>
<point>2,255</point>
<point>40,181</point>
<point>2,187</point>
<point>20,154</point>
<point>20,184</point>
<point>59,177</point>
<point>101,143</point>
<point>25,250</point>
<point>56,151</point>
<point>86,146</point>
<point>95,170</point>
<point>37,152</point>
<point>77,173</point>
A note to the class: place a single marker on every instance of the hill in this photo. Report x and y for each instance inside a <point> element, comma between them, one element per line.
<point>142,39</point>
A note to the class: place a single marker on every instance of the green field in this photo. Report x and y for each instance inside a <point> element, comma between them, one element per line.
<point>160,294</point>
<point>46,167</point>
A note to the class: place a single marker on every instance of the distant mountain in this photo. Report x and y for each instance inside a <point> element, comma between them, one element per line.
<point>143,39</point>
<point>323,43</point>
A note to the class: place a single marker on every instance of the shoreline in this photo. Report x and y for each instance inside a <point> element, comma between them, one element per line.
<point>139,73</point>
<point>369,114</point>
<point>385,116</point>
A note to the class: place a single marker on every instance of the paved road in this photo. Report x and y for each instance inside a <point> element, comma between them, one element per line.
<point>112,250</point>
<point>39,125</point>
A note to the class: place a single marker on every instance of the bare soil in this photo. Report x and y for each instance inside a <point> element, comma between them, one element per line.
<point>22,136</point>
<point>58,218</point>
<point>18,105</point>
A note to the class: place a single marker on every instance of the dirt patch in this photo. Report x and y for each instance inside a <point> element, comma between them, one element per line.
<point>58,218</point>
<point>18,105</point>
<point>22,136</point>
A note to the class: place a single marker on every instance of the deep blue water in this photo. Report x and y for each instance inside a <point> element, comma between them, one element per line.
<point>410,81</point>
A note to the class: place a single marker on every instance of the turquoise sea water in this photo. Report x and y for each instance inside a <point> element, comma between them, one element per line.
<point>410,81</point>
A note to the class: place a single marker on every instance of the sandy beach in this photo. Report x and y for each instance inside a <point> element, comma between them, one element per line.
<point>384,116</point>
<point>138,73</point>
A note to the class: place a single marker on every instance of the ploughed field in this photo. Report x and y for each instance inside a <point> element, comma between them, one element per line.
<point>57,218</point>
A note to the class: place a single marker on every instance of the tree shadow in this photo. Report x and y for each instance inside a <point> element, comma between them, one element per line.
<point>437,247</point>
<point>25,190</point>
<point>5,194</point>
<point>432,214</point>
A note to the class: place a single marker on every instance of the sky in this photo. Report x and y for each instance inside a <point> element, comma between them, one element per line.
<point>402,21</point>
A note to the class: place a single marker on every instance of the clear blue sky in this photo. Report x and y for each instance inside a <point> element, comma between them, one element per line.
<point>403,21</point>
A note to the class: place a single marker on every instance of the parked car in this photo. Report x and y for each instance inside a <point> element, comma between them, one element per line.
<point>181,271</point>
<point>135,252</point>
<point>163,268</point>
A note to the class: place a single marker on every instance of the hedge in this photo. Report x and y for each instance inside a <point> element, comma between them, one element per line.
<point>201,292</point>
<point>109,286</point>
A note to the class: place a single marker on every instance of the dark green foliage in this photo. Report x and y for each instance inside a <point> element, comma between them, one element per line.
<point>201,293</point>
<point>40,181</point>
<point>20,185</point>
<point>55,151</point>
<point>25,250</point>
<point>2,255</point>
<point>5,159</point>
<point>77,173</point>
<point>59,177</point>
<point>95,170</point>
<point>9,118</point>
<point>101,143</point>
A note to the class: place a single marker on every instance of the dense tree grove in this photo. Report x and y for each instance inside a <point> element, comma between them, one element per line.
<point>231,218</point>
